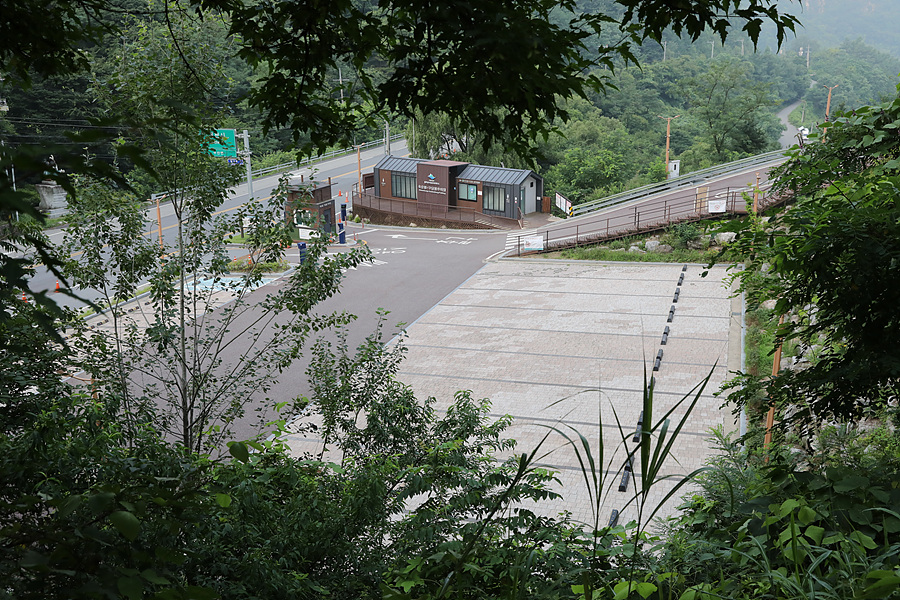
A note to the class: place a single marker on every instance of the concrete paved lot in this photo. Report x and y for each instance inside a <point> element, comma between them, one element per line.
<point>558,344</point>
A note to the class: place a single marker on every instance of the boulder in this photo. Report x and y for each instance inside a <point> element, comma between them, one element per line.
<point>636,249</point>
<point>664,249</point>
<point>651,245</point>
<point>725,237</point>
<point>769,304</point>
<point>696,245</point>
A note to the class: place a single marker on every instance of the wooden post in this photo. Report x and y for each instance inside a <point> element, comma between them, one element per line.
<point>770,416</point>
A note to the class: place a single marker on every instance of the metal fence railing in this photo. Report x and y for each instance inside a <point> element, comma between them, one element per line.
<point>437,212</point>
<point>655,214</point>
<point>691,179</point>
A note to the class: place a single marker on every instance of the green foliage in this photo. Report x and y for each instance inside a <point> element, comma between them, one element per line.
<point>832,257</point>
<point>774,530</point>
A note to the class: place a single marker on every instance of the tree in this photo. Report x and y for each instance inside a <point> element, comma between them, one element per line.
<point>729,105</point>
<point>831,261</point>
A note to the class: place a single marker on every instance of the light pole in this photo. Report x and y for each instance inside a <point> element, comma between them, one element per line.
<point>668,136</point>
<point>712,49</point>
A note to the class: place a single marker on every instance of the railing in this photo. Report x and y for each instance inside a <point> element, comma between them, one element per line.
<point>655,214</point>
<point>691,179</point>
<point>288,166</point>
<point>437,212</point>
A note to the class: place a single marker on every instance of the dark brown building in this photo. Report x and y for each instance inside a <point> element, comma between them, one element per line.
<point>497,191</point>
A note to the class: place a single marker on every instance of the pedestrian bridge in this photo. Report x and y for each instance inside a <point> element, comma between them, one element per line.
<point>723,190</point>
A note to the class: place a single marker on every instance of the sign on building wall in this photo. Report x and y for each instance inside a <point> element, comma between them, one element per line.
<point>433,184</point>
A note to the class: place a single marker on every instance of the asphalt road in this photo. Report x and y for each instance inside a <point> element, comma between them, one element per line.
<point>342,170</point>
<point>413,270</point>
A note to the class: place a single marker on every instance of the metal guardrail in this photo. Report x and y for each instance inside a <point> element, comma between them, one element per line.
<point>690,179</point>
<point>331,154</point>
<point>293,165</point>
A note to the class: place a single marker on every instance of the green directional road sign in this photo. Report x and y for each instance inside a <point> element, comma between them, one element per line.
<point>224,145</point>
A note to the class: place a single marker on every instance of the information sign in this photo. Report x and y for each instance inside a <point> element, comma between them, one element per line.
<point>223,144</point>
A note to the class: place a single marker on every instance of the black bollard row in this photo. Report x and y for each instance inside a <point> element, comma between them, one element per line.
<point>671,314</point>
<point>677,292</point>
<point>637,432</point>
<point>656,364</point>
<point>626,473</point>
<point>665,337</point>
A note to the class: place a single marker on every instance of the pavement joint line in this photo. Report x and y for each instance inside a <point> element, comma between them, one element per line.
<point>556,385</point>
<point>654,335</point>
<point>628,433</point>
<point>538,291</point>
<point>568,356</point>
<point>601,278</point>
<point>566,310</point>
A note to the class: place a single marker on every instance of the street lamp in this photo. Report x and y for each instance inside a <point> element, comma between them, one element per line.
<point>668,136</point>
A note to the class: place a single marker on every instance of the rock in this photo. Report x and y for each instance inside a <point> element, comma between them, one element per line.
<point>664,249</point>
<point>769,304</point>
<point>725,237</point>
<point>696,245</point>
<point>413,225</point>
<point>651,245</point>
<point>618,250</point>
<point>765,268</point>
<point>636,250</point>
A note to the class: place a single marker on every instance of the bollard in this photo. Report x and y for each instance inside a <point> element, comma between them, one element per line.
<point>637,433</point>
<point>671,314</point>
<point>301,246</point>
<point>677,291</point>
<point>681,279</point>
<point>613,518</point>
<point>684,268</point>
<point>658,362</point>
<point>665,336</point>
<point>623,485</point>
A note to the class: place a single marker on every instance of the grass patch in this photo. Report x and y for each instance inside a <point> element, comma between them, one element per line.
<point>242,266</point>
<point>759,341</point>
<point>678,255</point>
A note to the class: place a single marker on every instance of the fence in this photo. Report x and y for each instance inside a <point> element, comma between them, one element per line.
<point>437,212</point>
<point>330,154</point>
<point>654,214</point>
<point>685,181</point>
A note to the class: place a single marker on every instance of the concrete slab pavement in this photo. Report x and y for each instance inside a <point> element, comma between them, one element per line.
<point>565,345</point>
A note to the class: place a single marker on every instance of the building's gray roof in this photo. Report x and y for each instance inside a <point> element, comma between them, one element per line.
<point>399,163</point>
<point>499,175</point>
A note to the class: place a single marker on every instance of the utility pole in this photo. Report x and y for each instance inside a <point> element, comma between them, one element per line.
<point>664,50</point>
<point>247,162</point>
<point>712,49</point>
<point>827,107</point>
<point>359,169</point>
<point>742,47</point>
<point>668,136</point>
<point>387,137</point>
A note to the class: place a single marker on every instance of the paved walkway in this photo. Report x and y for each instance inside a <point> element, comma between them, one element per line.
<point>559,344</point>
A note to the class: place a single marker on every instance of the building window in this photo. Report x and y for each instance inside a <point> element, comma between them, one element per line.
<point>468,191</point>
<point>403,186</point>
<point>494,198</point>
